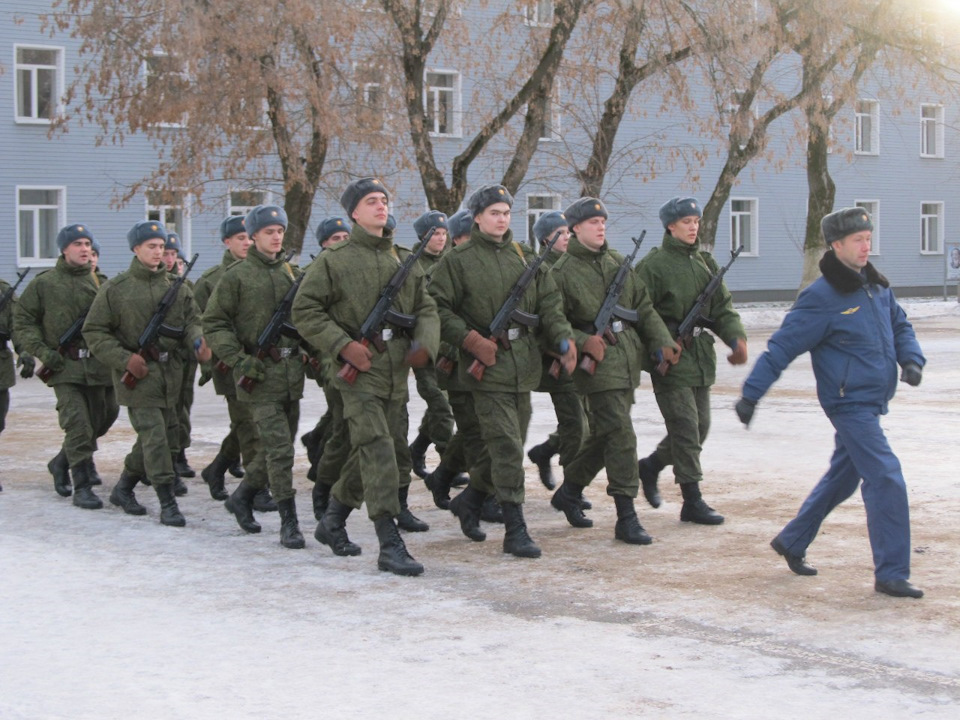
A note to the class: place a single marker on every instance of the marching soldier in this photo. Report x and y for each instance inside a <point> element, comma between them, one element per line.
<point>675,273</point>
<point>470,286</point>
<point>340,290</point>
<point>55,301</point>
<point>173,260</point>
<point>7,371</point>
<point>586,275</point>
<point>241,306</point>
<point>147,381</point>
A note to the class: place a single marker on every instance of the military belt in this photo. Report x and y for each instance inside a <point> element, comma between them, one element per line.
<point>616,326</point>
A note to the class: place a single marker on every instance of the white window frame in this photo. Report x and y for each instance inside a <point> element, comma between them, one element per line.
<point>931,130</point>
<point>58,89</point>
<point>145,77</point>
<point>874,115</point>
<point>925,228</point>
<point>538,13</point>
<point>162,209</point>
<point>872,207</point>
<point>534,214</point>
<point>429,90</point>
<point>36,260</point>
<point>751,246</point>
<point>238,209</point>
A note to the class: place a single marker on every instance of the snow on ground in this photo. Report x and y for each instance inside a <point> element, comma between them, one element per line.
<point>103,615</point>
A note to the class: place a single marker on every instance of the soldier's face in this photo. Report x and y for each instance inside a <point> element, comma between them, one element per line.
<point>592,233</point>
<point>78,252</point>
<point>685,229</point>
<point>238,245</point>
<point>170,259</point>
<point>150,253</point>
<point>854,250</point>
<point>335,238</point>
<point>494,220</point>
<point>371,212</point>
<point>563,240</point>
<point>269,240</point>
<point>437,242</point>
<point>94,260</point>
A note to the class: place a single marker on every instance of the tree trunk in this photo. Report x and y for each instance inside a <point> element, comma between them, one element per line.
<point>821,192</point>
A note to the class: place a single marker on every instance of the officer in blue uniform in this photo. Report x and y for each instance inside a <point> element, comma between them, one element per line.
<point>857,334</point>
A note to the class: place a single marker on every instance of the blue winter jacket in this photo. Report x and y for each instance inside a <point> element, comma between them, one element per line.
<point>856,334</point>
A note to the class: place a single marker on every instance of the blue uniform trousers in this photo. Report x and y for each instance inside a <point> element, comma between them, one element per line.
<point>862,452</point>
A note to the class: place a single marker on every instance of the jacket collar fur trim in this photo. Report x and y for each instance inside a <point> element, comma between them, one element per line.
<point>845,279</point>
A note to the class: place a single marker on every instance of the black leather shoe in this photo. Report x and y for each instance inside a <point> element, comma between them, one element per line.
<point>898,588</point>
<point>797,563</point>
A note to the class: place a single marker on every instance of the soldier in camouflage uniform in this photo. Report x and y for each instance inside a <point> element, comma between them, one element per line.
<point>340,289</point>
<point>7,371</point>
<point>571,420</point>
<point>470,286</point>
<point>242,438</point>
<point>675,274</point>
<point>436,427</point>
<point>117,317</point>
<point>86,402</point>
<point>584,275</point>
<point>238,311</point>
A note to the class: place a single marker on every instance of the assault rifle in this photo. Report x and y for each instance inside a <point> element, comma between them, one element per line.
<point>611,312</point>
<point>6,298</point>
<point>65,345</point>
<point>370,331</point>
<point>510,311</point>
<point>147,343</point>
<point>695,320</point>
<point>270,336</point>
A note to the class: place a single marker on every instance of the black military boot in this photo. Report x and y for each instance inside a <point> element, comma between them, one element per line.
<point>95,478</point>
<point>181,465</point>
<point>491,511</point>
<point>60,469</point>
<point>169,512</point>
<point>321,499</point>
<point>179,487</point>
<point>628,526</point>
<point>516,539</point>
<point>240,504</point>
<point>568,499</point>
<point>406,520</point>
<point>311,441</point>
<point>650,468</point>
<point>236,469</point>
<point>332,529</point>
<point>694,509</point>
<point>214,476</point>
<point>439,483</point>
<point>393,553</point>
<point>466,506</point>
<point>540,456</point>
<point>263,501</point>
<point>123,496</point>
<point>83,496</point>
<point>418,452</point>
<point>460,480</point>
<point>290,535</point>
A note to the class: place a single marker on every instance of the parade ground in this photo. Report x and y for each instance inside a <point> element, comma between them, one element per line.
<point>104,615</point>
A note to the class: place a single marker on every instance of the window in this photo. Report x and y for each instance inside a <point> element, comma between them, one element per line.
<point>744,225</point>
<point>442,100</point>
<point>371,97</point>
<point>166,84</point>
<point>168,208</point>
<point>538,14</point>
<point>537,205</point>
<point>243,201</point>
<point>931,228</point>
<point>931,131</point>
<point>867,127</point>
<point>38,79</point>
<point>872,207</point>
<point>41,212</point>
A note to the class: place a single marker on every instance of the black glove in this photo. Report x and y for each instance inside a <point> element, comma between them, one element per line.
<point>911,374</point>
<point>27,365</point>
<point>745,410</point>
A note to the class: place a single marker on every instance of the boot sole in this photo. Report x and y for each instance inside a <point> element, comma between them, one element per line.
<point>339,552</point>
<point>404,571</point>
<point>533,554</point>
<point>644,540</point>
<point>701,520</point>
<point>138,510</point>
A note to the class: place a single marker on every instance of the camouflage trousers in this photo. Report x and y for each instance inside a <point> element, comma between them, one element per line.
<point>463,447</point>
<point>686,413</point>
<point>336,451</point>
<point>276,423</point>
<point>611,444</point>
<point>503,420</point>
<point>243,440</point>
<point>85,413</point>
<point>186,402</point>
<point>572,426</point>
<point>437,422</point>
<point>378,454</point>
<point>152,454</point>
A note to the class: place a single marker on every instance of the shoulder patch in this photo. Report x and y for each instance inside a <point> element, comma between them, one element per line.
<point>850,311</point>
